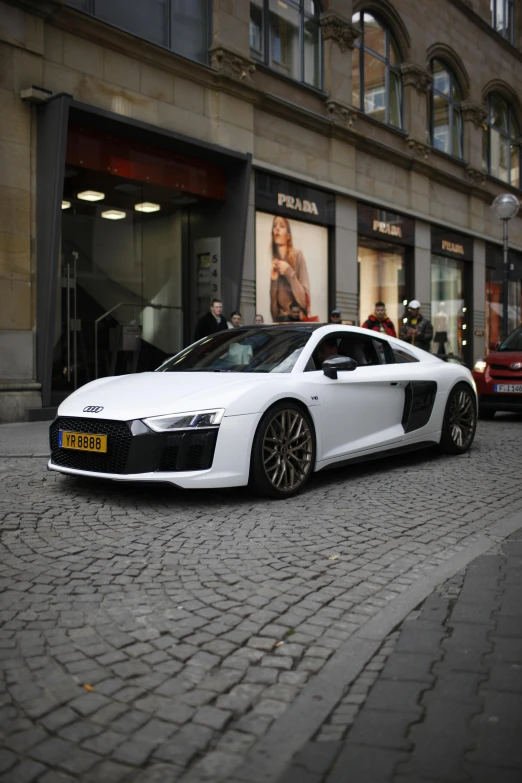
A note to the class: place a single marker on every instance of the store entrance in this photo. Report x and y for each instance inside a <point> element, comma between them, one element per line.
<point>383,276</point>
<point>119,304</point>
<point>449,306</point>
<point>123,282</point>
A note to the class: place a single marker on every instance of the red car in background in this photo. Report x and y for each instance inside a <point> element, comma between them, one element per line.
<point>499,377</point>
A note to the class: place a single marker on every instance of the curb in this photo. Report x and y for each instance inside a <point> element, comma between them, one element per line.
<point>270,756</point>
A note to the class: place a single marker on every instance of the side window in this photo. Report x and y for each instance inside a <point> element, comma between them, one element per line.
<point>402,356</point>
<point>380,351</point>
<point>366,350</point>
<point>384,352</point>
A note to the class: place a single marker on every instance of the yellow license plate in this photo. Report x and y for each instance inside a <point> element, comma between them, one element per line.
<point>82,441</point>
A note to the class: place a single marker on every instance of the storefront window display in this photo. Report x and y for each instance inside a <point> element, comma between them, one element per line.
<point>384,256</point>
<point>450,295</point>
<point>292,250</point>
<point>494,303</point>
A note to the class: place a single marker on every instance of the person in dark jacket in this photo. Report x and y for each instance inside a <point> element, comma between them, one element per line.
<point>211,322</point>
<point>416,329</point>
<point>379,321</point>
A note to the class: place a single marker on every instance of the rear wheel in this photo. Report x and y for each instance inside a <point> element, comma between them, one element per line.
<point>460,420</point>
<point>486,413</point>
<point>283,452</point>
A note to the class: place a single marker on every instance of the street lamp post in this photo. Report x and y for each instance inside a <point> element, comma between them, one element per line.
<point>505,207</point>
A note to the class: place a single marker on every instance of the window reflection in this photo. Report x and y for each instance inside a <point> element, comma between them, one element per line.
<point>179,25</point>
<point>501,148</point>
<point>376,79</point>
<point>502,19</point>
<point>374,87</point>
<point>285,35</point>
<point>256,26</point>
<point>445,113</point>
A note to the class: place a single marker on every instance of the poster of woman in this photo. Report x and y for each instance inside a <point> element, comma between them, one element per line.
<point>291,268</point>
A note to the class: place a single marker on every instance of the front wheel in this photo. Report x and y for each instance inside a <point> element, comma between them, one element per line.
<point>460,420</point>
<point>283,452</point>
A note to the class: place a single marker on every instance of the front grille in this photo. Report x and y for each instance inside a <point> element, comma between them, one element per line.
<point>188,450</point>
<point>506,378</point>
<point>503,368</point>
<point>118,445</point>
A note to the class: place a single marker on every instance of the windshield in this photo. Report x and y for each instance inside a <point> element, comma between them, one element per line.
<point>513,342</point>
<point>242,350</point>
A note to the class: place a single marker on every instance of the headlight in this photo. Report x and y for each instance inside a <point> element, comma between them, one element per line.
<point>186,421</point>
<point>480,366</point>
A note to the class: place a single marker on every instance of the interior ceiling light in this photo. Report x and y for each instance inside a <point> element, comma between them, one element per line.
<point>91,195</point>
<point>147,206</point>
<point>113,214</point>
<point>66,204</point>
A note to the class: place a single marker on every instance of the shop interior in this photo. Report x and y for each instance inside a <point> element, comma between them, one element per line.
<point>130,216</point>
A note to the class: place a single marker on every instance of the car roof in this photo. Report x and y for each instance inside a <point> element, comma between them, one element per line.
<point>304,326</point>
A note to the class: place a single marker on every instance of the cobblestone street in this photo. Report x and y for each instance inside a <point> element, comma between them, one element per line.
<point>148,634</point>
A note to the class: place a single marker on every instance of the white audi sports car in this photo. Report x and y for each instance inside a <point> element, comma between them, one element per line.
<point>265,406</point>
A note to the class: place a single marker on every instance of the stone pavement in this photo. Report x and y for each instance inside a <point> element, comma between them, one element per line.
<point>148,634</point>
<point>441,700</point>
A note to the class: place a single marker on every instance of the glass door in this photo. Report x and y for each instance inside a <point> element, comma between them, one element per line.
<point>383,277</point>
<point>449,309</point>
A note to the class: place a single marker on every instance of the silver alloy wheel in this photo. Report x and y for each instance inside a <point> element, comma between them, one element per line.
<point>287,450</point>
<point>462,419</point>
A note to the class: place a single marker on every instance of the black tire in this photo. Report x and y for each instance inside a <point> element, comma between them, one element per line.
<point>279,469</point>
<point>460,420</point>
<point>486,413</point>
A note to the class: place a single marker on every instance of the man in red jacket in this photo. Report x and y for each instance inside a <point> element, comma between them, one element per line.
<point>379,321</point>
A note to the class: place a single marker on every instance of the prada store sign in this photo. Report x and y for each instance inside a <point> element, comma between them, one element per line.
<point>448,243</point>
<point>294,200</point>
<point>385,225</point>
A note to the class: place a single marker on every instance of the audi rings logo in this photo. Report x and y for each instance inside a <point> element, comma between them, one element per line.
<point>516,365</point>
<point>93,409</point>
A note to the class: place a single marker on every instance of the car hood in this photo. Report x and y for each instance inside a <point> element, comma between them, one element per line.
<point>145,394</point>
<point>504,357</point>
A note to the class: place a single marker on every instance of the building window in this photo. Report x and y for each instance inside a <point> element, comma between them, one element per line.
<point>445,114</point>
<point>180,25</point>
<point>377,87</point>
<point>502,18</point>
<point>501,148</point>
<point>286,36</point>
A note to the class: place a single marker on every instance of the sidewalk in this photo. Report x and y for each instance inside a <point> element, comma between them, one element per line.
<point>25,439</point>
<point>441,700</point>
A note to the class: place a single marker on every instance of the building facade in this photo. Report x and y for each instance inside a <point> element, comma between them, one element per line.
<point>155,154</point>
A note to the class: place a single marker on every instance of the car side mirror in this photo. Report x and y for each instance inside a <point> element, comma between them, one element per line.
<point>332,366</point>
<point>494,346</point>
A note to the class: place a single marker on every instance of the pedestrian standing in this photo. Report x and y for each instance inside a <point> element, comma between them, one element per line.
<point>416,329</point>
<point>378,321</point>
<point>258,319</point>
<point>235,320</point>
<point>211,322</point>
<point>335,317</point>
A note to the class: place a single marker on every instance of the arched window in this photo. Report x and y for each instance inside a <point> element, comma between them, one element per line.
<point>501,141</point>
<point>376,76</point>
<point>286,37</point>
<point>445,116</point>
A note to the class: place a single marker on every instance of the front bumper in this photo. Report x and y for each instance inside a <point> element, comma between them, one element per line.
<point>490,400</point>
<point>202,458</point>
<point>501,402</point>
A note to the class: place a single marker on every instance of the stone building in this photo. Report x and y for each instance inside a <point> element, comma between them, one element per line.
<point>150,152</point>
